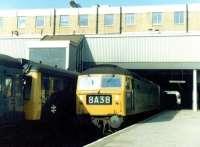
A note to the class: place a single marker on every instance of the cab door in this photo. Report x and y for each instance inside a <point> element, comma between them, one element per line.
<point>129,95</point>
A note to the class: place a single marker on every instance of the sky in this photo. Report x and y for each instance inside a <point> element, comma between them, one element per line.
<point>28,4</point>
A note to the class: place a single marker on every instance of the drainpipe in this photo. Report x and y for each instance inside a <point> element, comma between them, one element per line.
<point>120,26</point>
<point>97,20</point>
<point>187,19</point>
<point>54,22</point>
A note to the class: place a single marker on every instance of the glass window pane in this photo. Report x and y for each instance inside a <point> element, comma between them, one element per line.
<point>178,17</point>
<point>45,89</point>
<point>64,20</point>
<point>27,87</point>
<point>83,20</point>
<point>18,87</point>
<point>129,19</point>
<point>21,22</point>
<point>156,18</point>
<point>39,21</point>
<point>110,81</point>
<point>89,82</point>
<point>8,87</point>
<point>58,85</point>
<point>108,20</point>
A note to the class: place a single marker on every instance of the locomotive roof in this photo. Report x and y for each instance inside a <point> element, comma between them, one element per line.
<point>50,70</point>
<point>9,61</point>
<point>106,69</point>
<point>112,69</point>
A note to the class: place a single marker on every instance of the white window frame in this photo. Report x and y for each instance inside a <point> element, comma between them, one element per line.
<point>180,19</point>
<point>21,26</point>
<point>83,15</point>
<point>131,17</point>
<point>66,23</point>
<point>158,18</point>
<point>36,19</point>
<point>108,25</point>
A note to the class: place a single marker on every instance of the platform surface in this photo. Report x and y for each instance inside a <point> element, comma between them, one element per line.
<point>167,129</point>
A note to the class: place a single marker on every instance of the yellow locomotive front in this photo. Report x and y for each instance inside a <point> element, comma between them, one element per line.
<point>100,95</point>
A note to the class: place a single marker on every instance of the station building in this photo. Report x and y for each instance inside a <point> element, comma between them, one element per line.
<point>100,20</point>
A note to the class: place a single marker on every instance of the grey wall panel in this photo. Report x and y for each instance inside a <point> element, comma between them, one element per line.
<point>49,56</point>
<point>15,47</point>
<point>73,57</point>
<point>155,48</point>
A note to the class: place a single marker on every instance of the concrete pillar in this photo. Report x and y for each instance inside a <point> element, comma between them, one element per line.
<point>194,91</point>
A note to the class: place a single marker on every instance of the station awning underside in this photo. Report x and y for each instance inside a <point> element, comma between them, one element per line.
<point>151,65</point>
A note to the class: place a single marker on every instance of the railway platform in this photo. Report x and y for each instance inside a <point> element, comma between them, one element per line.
<point>166,129</point>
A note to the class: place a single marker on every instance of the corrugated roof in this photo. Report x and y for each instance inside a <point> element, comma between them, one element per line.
<point>74,38</point>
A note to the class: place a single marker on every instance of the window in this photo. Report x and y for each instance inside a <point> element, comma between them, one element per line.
<point>156,18</point>
<point>178,17</point>
<point>109,81</point>
<point>39,21</point>
<point>129,19</point>
<point>21,22</point>
<point>27,87</point>
<point>128,84</point>
<point>64,20</point>
<point>45,89</point>
<point>89,82</point>
<point>108,20</point>
<point>1,22</point>
<point>8,87</point>
<point>58,85</point>
<point>83,20</point>
<point>17,88</point>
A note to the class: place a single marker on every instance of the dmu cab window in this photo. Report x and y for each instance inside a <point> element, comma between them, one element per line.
<point>8,87</point>
<point>45,89</point>
<point>27,87</point>
<point>58,85</point>
<point>17,88</point>
<point>111,81</point>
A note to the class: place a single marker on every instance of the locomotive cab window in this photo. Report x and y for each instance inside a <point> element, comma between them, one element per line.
<point>111,81</point>
<point>89,82</point>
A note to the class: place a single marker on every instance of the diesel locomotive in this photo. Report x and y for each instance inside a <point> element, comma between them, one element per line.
<point>108,94</point>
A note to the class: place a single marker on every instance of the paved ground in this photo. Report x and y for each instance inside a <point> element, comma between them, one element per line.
<point>168,129</point>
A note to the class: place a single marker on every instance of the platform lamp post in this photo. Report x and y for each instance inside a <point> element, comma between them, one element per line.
<point>194,92</point>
